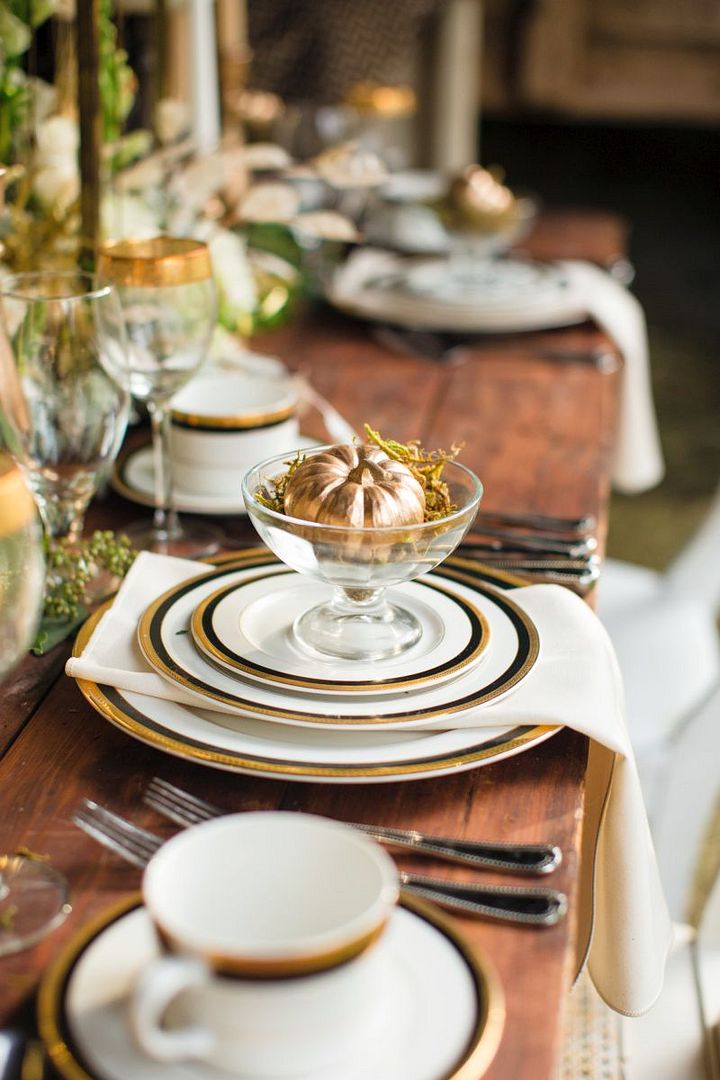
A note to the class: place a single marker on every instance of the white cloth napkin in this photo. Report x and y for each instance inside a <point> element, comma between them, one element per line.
<point>637,459</point>
<point>575,682</point>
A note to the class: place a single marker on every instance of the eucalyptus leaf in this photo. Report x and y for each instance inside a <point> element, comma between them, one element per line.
<point>52,631</point>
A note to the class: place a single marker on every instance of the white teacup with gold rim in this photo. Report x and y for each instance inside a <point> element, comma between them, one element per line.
<point>270,925</point>
<point>222,422</point>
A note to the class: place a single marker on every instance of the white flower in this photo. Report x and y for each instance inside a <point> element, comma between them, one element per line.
<point>172,119</point>
<point>259,156</point>
<point>125,216</point>
<point>57,185</point>
<point>44,98</point>
<point>325,225</point>
<point>349,166</point>
<point>269,202</point>
<point>233,273</point>
<point>57,139</point>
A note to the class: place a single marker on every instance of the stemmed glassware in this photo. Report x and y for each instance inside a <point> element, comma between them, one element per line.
<point>359,622</point>
<point>170,308</point>
<point>33,895</point>
<point>64,393</point>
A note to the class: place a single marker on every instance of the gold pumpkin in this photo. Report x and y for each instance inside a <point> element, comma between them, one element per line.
<point>355,486</point>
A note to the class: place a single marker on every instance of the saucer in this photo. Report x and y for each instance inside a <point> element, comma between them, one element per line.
<point>246,628</point>
<point>445,1008</point>
<point>133,477</point>
<point>165,641</point>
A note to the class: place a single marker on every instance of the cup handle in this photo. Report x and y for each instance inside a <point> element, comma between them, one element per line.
<point>154,992</point>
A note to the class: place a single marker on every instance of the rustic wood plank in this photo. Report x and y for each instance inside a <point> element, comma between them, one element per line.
<point>539,432</point>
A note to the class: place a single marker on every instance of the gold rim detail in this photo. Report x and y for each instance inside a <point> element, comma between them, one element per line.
<point>244,420</point>
<point>477,1057</point>
<point>162,260</point>
<point>148,627</point>
<point>223,657</point>
<point>247,968</point>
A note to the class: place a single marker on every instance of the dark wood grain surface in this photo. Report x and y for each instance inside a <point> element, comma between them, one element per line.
<point>538,430</point>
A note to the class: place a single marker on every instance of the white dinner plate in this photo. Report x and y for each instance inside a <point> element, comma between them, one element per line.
<point>245,627</point>
<point>166,643</point>
<point>497,284</point>
<point>388,297</point>
<point>253,747</point>
<point>133,477</point>
<point>444,1006</point>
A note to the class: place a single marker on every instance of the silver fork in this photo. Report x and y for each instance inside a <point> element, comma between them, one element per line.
<point>186,809</point>
<point>527,907</point>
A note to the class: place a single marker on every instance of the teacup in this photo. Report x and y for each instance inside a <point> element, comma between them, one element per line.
<point>222,422</point>
<point>270,925</point>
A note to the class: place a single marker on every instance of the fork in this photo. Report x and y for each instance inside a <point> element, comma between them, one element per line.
<point>527,907</point>
<point>186,809</point>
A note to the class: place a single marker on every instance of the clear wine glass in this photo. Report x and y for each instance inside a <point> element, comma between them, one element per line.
<point>169,304</point>
<point>33,895</point>
<point>64,393</point>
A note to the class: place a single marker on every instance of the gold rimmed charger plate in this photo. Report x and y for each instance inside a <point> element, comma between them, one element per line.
<point>464,636</point>
<point>207,683</point>
<point>68,1057</point>
<point>142,720</point>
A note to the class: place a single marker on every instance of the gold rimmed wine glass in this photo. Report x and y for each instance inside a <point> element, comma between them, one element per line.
<point>33,895</point>
<point>169,305</point>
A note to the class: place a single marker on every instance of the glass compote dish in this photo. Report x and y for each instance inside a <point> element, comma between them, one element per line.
<point>64,393</point>
<point>169,304</point>
<point>33,896</point>
<point>359,622</point>
<point>483,219</point>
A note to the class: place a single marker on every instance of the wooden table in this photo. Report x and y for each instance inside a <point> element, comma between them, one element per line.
<point>538,431</point>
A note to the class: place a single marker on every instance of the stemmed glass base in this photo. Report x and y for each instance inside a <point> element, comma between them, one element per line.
<point>357,624</point>
<point>170,536</point>
<point>34,900</point>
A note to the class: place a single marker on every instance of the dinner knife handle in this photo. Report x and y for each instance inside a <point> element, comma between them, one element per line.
<point>505,903</point>
<point>516,858</point>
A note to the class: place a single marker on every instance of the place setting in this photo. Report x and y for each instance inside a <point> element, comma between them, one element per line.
<point>231,665</point>
<point>216,975</point>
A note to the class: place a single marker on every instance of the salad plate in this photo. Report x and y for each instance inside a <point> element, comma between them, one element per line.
<point>245,627</point>
<point>167,645</point>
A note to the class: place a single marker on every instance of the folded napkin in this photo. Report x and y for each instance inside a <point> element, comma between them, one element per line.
<point>575,682</point>
<point>637,459</point>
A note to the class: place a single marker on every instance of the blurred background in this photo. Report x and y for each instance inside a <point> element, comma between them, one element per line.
<point>611,106</point>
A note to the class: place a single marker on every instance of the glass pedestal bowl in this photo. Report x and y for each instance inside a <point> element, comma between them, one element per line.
<point>359,622</point>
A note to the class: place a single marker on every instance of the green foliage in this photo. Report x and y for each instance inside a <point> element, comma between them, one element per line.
<point>117,79</point>
<point>70,570</point>
<point>18,19</point>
